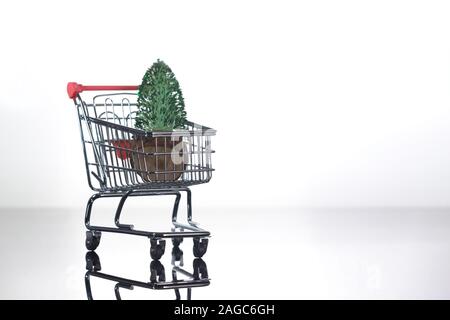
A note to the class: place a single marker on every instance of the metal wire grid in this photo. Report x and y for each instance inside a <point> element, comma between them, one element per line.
<point>121,157</point>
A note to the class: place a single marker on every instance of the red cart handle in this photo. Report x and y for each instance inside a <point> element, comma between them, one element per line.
<point>74,88</point>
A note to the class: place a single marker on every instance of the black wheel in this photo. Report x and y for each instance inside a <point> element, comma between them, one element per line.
<point>93,239</point>
<point>92,261</point>
<point>157,248</point>
<point>177,254</point>
<point>200,269</point>
<point>177,241</point>
<point>200,247</point>
<point>157,272</point>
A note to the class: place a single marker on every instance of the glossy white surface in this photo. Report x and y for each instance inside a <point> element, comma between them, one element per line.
<point>253,254</point>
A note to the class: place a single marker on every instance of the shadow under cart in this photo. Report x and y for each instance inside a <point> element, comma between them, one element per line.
<point>181,278</point>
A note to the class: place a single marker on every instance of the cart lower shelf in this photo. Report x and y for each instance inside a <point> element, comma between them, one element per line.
<point>179,231</point>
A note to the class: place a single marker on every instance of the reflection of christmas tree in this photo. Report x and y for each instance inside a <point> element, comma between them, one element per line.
<point>160,100</point>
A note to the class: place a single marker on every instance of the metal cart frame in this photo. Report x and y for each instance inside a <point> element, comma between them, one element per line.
<point>120,163</point>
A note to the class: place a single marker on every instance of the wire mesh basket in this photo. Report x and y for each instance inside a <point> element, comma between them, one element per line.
<point>119,156</point>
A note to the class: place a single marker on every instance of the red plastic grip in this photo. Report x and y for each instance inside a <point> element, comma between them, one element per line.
<point>74,88</point>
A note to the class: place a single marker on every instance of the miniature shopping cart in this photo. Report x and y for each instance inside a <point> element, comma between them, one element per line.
<point>123,161</point>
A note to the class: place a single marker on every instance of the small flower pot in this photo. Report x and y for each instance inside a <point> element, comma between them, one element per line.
<point>158,159</point>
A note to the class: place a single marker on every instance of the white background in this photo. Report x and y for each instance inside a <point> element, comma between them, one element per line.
<point>316,103</point>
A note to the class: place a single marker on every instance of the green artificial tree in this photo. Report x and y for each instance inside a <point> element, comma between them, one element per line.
<point>160,100</point>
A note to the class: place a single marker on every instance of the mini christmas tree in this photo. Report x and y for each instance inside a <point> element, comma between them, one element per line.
<point>160,100</point>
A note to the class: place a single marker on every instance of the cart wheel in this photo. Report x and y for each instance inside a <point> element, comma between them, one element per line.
<point>92,261</point>
<point>157,272</point>
<point>177,241</point>
<point>157,248</point>
<point>200,269</point>
<point>93,239</point>
<point>200,247</point>
<point>177,253</point>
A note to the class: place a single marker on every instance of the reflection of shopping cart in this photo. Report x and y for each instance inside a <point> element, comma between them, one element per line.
<point>122,161</point>
<point>181,279</point>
